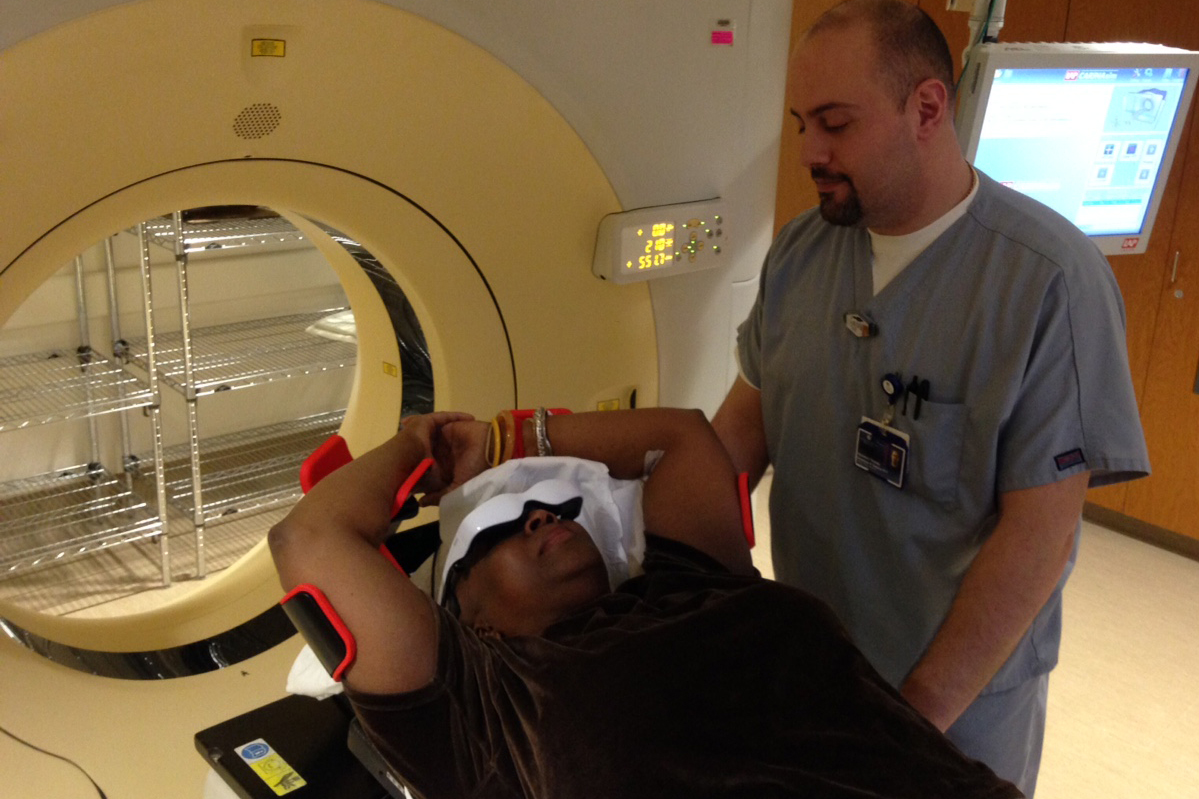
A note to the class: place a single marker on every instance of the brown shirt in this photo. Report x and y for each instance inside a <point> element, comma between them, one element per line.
<point>685,682</point>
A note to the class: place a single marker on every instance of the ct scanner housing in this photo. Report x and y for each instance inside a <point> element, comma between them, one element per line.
<point>473,148</point>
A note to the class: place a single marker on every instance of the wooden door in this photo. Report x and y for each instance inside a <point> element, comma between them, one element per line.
<point>1169,498</point>
<point>1159,352</point>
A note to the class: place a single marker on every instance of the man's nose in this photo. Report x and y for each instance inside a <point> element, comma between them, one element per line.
<point>813,151</point>
<point>538,518</point>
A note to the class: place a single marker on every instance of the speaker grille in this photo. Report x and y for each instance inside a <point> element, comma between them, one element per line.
<point>257,120</point>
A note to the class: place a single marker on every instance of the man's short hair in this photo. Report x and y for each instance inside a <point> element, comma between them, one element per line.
<point>909,46</point>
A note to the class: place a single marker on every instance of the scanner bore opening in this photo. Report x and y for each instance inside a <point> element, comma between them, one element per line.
<point>97,469</point>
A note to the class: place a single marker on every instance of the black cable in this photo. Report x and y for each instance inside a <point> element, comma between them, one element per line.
<point>60,757</point>
<point>979,39</point>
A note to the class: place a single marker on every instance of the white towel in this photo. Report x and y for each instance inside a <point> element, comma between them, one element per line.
<point>611,510</point>
<point>309,678</point>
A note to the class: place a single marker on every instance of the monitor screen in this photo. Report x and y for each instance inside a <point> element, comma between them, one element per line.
<point>1089,130</point>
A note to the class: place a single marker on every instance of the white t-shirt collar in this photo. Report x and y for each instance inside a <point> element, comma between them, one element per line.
<point>893,253</point>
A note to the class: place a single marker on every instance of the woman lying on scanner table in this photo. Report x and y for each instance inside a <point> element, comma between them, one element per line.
<point>572,656</point>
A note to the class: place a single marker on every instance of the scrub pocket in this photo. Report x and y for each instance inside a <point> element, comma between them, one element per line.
<point>935,459</point>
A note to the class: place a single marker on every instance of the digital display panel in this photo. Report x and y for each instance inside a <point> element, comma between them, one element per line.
<point>1087,142</point>
<point>1088,129</point>
<point>662,243</point>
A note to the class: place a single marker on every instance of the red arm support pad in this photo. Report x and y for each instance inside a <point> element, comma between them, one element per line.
<point>406,487</point>
<point>335,453</point>
<point>398,509</point>
<point>747,508</point>
<point>313,615</point>
<point>325,459</point>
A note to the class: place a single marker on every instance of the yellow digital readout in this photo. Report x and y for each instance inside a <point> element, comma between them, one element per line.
<point>656,245</point>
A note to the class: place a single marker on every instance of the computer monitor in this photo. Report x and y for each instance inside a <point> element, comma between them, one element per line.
<point>1088,129</point>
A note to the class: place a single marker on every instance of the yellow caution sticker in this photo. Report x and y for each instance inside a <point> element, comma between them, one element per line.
<point>273,769</point>
<point>608,405</point>
<point>268,48</point>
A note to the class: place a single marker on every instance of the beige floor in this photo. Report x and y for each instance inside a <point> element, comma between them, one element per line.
<point>1124,713</point>
<point>1124,703</point>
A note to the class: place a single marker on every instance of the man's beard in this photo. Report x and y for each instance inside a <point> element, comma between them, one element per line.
<point>845,213</point>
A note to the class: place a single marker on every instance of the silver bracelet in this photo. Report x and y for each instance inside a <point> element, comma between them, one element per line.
<point>543,439</point>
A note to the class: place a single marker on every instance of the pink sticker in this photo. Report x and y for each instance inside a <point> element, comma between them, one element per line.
<point>722,37</point>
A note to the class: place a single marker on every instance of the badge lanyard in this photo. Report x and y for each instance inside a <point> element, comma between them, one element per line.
<point>881,449</point>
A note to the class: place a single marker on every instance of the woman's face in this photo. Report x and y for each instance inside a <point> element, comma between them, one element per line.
<point>536,577</point>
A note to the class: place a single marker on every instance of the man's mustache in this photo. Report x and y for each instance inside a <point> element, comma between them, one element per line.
<point>820,173</point>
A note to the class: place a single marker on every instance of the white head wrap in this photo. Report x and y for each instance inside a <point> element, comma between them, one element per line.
<point>611,511</point>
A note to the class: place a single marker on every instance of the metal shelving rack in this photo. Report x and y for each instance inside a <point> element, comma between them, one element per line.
<point>222,234</point>
<point>244,354</point>
<point>60,385</point>
<point>246,472</point>
<point>81,509</point>
<point>251,470</point>
<point>71,512</point>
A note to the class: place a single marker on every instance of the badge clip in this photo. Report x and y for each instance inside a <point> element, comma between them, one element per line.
<point>892,384</point>
<point>860,326</point>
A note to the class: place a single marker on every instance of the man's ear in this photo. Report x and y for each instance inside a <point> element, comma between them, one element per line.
<point>930,106</point>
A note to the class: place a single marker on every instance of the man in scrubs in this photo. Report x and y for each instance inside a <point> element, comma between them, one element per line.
<point>936,370</point>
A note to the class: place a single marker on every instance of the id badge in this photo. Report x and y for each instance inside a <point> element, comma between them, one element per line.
<point>882,451</point>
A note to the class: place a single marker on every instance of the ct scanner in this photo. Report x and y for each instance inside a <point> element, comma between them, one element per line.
<point>473,148</point>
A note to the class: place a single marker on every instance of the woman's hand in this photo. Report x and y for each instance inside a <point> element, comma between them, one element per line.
<point>425,431</point>
<point>461,453</point>
<point>455,442</point>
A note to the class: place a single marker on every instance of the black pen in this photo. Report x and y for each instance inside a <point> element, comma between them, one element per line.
<point>921,395</point>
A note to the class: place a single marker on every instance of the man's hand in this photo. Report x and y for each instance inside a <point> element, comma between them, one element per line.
<point>1010,580</point>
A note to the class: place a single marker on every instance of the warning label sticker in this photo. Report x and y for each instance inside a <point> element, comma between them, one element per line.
<point>272,768</point>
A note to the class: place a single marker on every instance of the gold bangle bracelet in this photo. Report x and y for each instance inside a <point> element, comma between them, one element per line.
<point>493,444</point>
<point>504,429</point>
